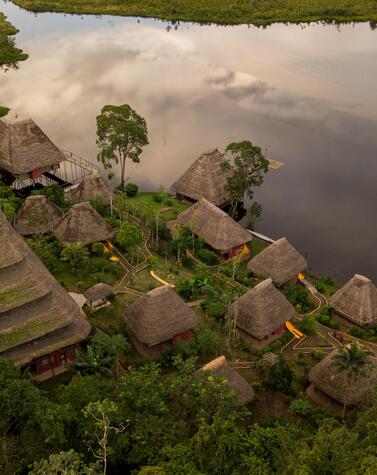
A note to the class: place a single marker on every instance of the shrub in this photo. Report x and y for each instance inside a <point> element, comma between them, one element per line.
<point>97,249</point>
<point>301,407</point>
<point>128,236</point>
<point>318,355</point>
<point>131,189</point>
<point>280,377</point>
<point>298,296</point>
<point>207,256</point>
<point>308,325</point>
<point>216,309</point>
<point>327,321</point>
<point>207,341</point>
<point>184,288</point>
<point>99,205</point>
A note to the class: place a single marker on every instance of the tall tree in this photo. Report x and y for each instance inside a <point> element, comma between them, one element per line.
<point>75,253</point>
<point>121,135</point>
<point>353,361</point>
<point>249,166</point>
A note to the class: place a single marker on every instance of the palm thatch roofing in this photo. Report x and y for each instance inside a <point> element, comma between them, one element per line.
<point>357,301</point>
<point>158,316</point>
<point>213,225</point>
<point>37,315</point>
<point>333,382</point>
<point>205,179</point>
<point>37,215</point>
<point>92,186</point>
<point>82,224</point>
<point>98,291</point>
<point>243,391</point>
<point>24,147</point>
<point>261,310</point>
<point>280,261</point>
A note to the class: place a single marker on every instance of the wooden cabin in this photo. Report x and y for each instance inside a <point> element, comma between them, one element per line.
<point>205,178</point>
<point>156,321</point>
<point>218,230</point>
<point>280,261</point>
<point>261,313</point>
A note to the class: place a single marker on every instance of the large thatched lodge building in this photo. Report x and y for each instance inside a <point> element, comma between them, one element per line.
<point>206,178</point>
<point>40,325</point>
<point>219,231</point>
<point>328,382</point>
<point>26,151</point>
<point>357,301</point>
<point>83,224</point>
<point>261,313</point>
<point>157,320</point>
<point>280,261</point>
<point>243,391</point>
<point>37,215</point>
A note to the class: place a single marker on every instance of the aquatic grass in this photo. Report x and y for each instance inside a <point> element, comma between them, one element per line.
<point>260,12</point>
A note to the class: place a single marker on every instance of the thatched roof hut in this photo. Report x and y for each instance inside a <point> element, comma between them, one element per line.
<point>98,291</point>
<point>83,224</point>
<point>280,261</point>
<point>329,380</point>
<point>24,148</point>
<point>357,301</point>
<point>37,215</point>
<point>158,317</point>
<point>262,310</point>
<point>37,316</point>
<point>205,179</point>
<point>215,226</point>
<point>92,186</point>
<point>243,391</point>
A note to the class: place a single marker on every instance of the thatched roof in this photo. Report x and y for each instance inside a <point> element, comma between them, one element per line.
<point>327,378</point>
<point>37,315</point>
<point>280,261</point>
<point>242,389</point>
<point>24,147</point>
<point>215,226</point>
<point>158,316</point>
<point>357,301</point>
<point>98,291</point>
<point>92,186</point>
<point>205,179</point>
<point>83,224</point>
<point>37,215</point>
<point>261,310</point>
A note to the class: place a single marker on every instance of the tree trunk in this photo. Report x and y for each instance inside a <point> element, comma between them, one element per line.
<point>122,158</point>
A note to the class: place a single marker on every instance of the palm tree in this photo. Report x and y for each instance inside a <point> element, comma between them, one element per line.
<point>353,361</point>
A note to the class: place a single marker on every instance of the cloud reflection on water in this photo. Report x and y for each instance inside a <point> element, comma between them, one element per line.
<point>194,98</point>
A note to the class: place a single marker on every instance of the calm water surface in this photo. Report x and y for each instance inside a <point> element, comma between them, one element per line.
<point>307,96</point>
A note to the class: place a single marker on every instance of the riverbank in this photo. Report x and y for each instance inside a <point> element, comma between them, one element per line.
<point>9,54</point>
<point>224,12</point>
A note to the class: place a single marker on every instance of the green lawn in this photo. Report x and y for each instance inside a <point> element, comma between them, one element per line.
<point>147,208</point>
<point>258,12</point>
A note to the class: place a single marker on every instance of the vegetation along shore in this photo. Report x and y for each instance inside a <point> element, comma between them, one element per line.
<point>261,12</point>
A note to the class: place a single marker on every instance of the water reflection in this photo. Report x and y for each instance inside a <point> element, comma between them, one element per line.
<point>308,97</point>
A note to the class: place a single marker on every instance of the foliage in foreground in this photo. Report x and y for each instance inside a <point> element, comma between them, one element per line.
<point>182,423</point>
<point>259,12</point>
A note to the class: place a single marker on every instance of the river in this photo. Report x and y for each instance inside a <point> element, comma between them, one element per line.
<point>306,95</point>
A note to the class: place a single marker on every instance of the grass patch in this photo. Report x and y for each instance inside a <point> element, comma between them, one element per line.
<point>110,319</point>
<point>9,54</point>
<point>257,245</point>
<point>3,111</point>
<point>259,12</point>
<point>25,333</point>
<point>146,207</point>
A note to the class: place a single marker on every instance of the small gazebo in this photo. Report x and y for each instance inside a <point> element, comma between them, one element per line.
<point>83,224</point>
<point>97,296</point>
<point>280,261</point>
<point>157,320</point>
<point>357,301</point>
<point>243,391</point>
<point>37,215</point>
<point>261,313</point>
<point>205,178</point>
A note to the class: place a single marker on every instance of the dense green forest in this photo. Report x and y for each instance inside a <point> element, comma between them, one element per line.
<point>259,12</point>
<point>170,423</point>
